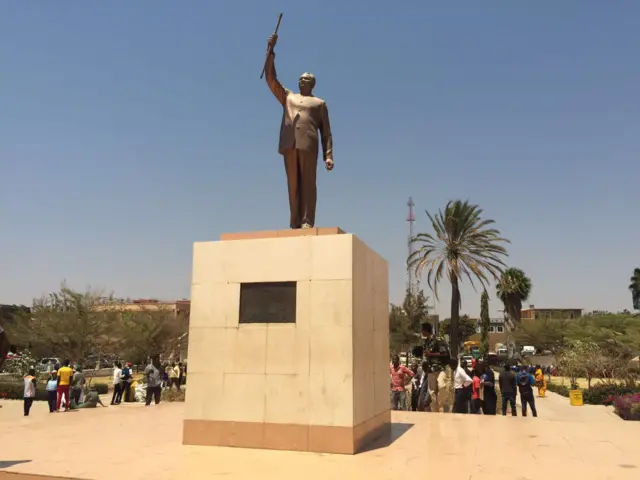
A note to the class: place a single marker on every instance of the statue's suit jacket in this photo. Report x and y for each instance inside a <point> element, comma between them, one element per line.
<point>302,118</point>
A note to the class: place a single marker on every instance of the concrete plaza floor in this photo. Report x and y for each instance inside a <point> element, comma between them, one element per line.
<point>134,442</point>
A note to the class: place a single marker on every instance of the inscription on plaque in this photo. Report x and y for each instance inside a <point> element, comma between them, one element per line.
<point>268,302</point>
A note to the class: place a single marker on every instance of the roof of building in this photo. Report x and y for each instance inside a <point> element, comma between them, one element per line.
<point>552,308</point>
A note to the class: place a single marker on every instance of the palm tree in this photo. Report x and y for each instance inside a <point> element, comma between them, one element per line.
<point>635,288</point>
<point>463,245</point>
<point>513,288</point>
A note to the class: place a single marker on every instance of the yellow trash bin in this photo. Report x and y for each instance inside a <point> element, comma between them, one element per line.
<point>575,398</point>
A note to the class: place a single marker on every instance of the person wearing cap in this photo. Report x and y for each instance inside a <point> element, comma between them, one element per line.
<point>52,390</point>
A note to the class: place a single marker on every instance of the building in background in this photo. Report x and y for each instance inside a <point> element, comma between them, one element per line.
<point>533,313</point>
<point>178,307</point>
<point>497,332</point>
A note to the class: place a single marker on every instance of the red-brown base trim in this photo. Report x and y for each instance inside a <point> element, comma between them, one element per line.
<point>30,476</point>
<point>274,436</point>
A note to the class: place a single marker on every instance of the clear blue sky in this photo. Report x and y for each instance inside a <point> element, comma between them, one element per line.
<point>129,130</point>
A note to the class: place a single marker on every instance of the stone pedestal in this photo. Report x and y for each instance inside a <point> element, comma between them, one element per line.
<point>320,384</point>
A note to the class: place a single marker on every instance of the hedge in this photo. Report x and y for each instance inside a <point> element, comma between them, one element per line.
<point>14,390</point>
<point>559,389</point>
<point>601,394</point>
<point>604,394</point>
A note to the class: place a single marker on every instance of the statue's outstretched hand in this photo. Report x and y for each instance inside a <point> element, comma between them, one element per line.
<point>328,163</point>
<point>273,39</point>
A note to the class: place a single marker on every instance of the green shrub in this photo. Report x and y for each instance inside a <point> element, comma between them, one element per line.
<point>559,389</point>
<point>603,394</point>
<point>14,390</point>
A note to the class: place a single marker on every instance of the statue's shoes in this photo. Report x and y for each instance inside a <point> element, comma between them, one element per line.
<point>306,225</point>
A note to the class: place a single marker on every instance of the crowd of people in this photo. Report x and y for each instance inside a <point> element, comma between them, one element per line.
<point>443,384</point>
<point>66,385</point>
<point>459,389</point>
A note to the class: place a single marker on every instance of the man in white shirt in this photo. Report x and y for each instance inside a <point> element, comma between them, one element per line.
<point>117,383</point>
<point>460,381</point>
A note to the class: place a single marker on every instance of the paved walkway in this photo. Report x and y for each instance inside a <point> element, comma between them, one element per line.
<point>135,442</point>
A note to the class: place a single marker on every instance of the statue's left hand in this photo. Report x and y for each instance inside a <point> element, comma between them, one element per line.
<point>328,163</point>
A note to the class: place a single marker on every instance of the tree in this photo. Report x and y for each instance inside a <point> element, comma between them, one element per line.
<point>405,321</point>
<point>86,326</point>
<point>513,288</point>
<point>466,328</point>
<point>150,332</point>
<point>416,308</point>
<point>66,324</point>
<point>544,334</point>
<point>463,246</point>
<point>485,322</point>
<point>573,361</point>
<point>634,287</point>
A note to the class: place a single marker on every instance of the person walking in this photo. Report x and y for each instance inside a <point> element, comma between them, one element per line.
<point>153,375</point>
<point>541,382</point>
<point>525,383</point>
<point>52,390</point>
<point>117,383</point>
<point>65,373</point>
<point>461,382</point>
<point>507,382</point>
<point>30,382</point>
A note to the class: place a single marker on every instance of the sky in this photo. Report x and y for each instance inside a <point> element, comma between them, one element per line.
<point>130,130</point>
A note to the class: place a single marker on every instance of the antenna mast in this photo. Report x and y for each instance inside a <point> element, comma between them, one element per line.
<point>411,284</point>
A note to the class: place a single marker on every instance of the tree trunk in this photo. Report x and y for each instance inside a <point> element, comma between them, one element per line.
<point>454,335</point>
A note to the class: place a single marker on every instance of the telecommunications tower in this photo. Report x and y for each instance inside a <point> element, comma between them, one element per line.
<point>411,283</point>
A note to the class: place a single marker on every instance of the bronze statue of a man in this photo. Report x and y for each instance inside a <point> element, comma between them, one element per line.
<point>302,116</point>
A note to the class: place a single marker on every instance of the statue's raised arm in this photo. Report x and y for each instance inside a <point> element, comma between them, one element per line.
<point>270,73</point>
<point>303,128</point>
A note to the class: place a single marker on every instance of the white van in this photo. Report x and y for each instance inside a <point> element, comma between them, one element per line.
<point>528,350</point>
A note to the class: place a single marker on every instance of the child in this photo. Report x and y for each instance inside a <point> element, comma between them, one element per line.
<point>52,390</point>
<point>29,390</point>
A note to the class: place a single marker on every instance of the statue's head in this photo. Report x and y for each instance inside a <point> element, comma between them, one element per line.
<point>306,83</point>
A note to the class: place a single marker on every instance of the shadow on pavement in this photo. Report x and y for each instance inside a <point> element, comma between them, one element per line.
<point>397,430</point>
<point>11,463</point>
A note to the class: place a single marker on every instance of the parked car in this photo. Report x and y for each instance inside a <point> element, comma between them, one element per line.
<point>49,363</point>
<point>468,359</point>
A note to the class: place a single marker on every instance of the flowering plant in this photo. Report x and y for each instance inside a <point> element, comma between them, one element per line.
<point>628,406</point>
<point>18,367</point>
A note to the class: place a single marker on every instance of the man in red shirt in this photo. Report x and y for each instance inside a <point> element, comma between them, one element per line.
<point>400,375</point>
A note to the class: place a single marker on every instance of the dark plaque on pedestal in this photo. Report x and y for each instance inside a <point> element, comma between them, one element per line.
<point>268,302</point>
